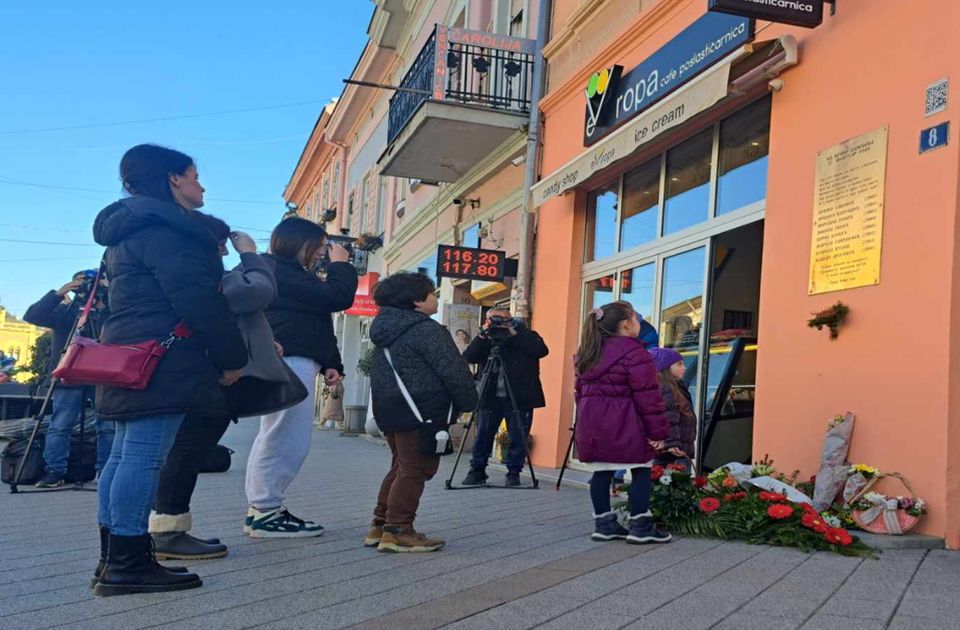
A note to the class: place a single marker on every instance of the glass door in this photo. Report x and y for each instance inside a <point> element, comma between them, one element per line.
<point>680,319</point>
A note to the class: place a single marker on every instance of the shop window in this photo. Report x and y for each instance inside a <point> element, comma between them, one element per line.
<point>636,287</point>
<point>641,205</point>
<point>687,200</point>
<point>598,292</point>
<point>681,306</point>
<point>602,223</point>
<point>744,148</point>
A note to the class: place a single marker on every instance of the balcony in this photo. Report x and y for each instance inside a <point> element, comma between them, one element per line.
<point>465,94</point>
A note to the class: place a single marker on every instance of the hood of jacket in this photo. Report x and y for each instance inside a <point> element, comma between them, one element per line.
<point>125,217</point>
<point>391,323</point>
<point>614,348</point>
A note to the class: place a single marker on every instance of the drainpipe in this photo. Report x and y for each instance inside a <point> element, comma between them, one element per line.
<point>528,217</point>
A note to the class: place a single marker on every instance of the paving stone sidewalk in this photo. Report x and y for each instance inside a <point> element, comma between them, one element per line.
<point>514,559</point>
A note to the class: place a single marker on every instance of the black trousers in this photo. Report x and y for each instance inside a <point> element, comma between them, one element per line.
<point>178,477</point>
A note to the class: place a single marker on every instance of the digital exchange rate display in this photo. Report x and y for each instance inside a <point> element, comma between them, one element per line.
<point>470,263</point>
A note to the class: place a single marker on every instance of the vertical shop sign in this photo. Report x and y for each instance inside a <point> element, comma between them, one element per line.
<point>848,214</point>
<point>440,64</point>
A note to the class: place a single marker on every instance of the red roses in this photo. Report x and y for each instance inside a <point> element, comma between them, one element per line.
<point>656,472</point>
<point>700,482</point>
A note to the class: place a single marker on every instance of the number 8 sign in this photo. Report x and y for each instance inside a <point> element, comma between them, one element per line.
<point>934,137</point>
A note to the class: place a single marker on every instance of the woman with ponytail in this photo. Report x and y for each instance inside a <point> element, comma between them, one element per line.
<point>620,419</point>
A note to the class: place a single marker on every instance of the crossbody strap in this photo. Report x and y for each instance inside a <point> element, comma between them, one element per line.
<point>406,392</point>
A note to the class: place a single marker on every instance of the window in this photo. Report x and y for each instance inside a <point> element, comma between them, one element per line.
<point>381,201</point>
<point>326,192</point>
<point>687,200</point>
<point>349,221</point>
<point>516,23</point>
<point>602,223</point>
<point>679,189</point>
<point>641,205</point>
<point>335,186</point>
<point>364,203</point>
<point>744,147</point>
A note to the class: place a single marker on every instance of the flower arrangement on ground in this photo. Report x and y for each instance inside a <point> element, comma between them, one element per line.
<point>720,506</point>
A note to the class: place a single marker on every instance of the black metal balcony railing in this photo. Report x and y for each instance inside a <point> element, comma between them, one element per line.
<point>471,67</point>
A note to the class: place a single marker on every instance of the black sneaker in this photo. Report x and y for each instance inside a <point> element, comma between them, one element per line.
<point>476,477</point>
<point>513,480</point>
<point>50,480</point>
<point>280,523</point>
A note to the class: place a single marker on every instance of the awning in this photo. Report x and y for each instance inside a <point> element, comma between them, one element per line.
<point>700,94</point>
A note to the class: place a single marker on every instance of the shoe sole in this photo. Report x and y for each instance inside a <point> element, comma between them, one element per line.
<point>371,542</point>
<point>391,548</point>
<point>648,540</point>
<point>187,557</point>
<point>109,590</point>
<point>606,537</point>
<point>259,533</point>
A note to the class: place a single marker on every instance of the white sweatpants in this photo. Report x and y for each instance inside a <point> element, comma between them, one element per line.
<point>283,443</point>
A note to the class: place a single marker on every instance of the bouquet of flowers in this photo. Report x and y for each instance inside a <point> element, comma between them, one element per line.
<point>721,506</point>
<point>882,514</point>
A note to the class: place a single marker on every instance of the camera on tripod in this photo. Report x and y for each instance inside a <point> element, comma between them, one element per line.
<point>499,328</point>
<point>82,294</point>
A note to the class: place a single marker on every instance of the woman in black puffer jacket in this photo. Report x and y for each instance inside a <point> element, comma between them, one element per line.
<point>164,268</point>
<point>301,318</point>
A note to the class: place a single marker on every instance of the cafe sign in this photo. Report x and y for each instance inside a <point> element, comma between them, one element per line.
<point>805,13</point>
<point>613,97</point>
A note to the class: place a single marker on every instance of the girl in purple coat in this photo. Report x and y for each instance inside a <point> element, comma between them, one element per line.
<point>620,419</point>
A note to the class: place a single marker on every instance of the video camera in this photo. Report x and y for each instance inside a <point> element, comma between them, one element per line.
<point>82,294</point>
<point>358,248</point>
<point>498,329</point>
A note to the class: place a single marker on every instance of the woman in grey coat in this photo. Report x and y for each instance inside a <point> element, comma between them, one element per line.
<point>265,384</point>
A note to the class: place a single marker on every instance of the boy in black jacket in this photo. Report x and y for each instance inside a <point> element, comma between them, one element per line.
<point>57,312</point>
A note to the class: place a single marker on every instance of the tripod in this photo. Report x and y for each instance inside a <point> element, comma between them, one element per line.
<point>495,365</point>
<point>38,418</point>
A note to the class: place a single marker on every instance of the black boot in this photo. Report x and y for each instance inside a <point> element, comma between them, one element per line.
<point>183,546</point>
<point>132,568</point>
<point>643,531</point>
<point>476,477</point>
<point>104,537</point>
<point>169,523</point>
<point>606,527</point>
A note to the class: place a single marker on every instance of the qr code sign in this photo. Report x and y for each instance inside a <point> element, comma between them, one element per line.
<point>936,98</point>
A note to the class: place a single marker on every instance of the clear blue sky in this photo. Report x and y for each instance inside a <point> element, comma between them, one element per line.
<point>68,63</point>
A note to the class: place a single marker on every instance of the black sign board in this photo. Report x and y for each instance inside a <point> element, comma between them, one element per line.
<point>805,13</point>
<point>470,263</point>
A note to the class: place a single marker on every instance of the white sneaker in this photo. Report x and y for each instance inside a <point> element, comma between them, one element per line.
<point>280,523</point>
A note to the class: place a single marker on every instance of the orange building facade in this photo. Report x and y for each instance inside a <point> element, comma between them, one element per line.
<point>730,193</point>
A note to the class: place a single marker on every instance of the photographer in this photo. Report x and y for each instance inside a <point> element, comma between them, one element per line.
<point>58,312</point>
<point>521,349</point>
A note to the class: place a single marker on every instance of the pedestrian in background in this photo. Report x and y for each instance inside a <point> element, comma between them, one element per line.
<point>302,321</point>
<point>164,270</point>
<point>620,419</point>
<point>58,312</point>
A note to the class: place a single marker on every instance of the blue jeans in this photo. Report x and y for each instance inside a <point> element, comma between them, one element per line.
<point>68,405</point>
<point>488,423</point>
<point>128,483</point>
